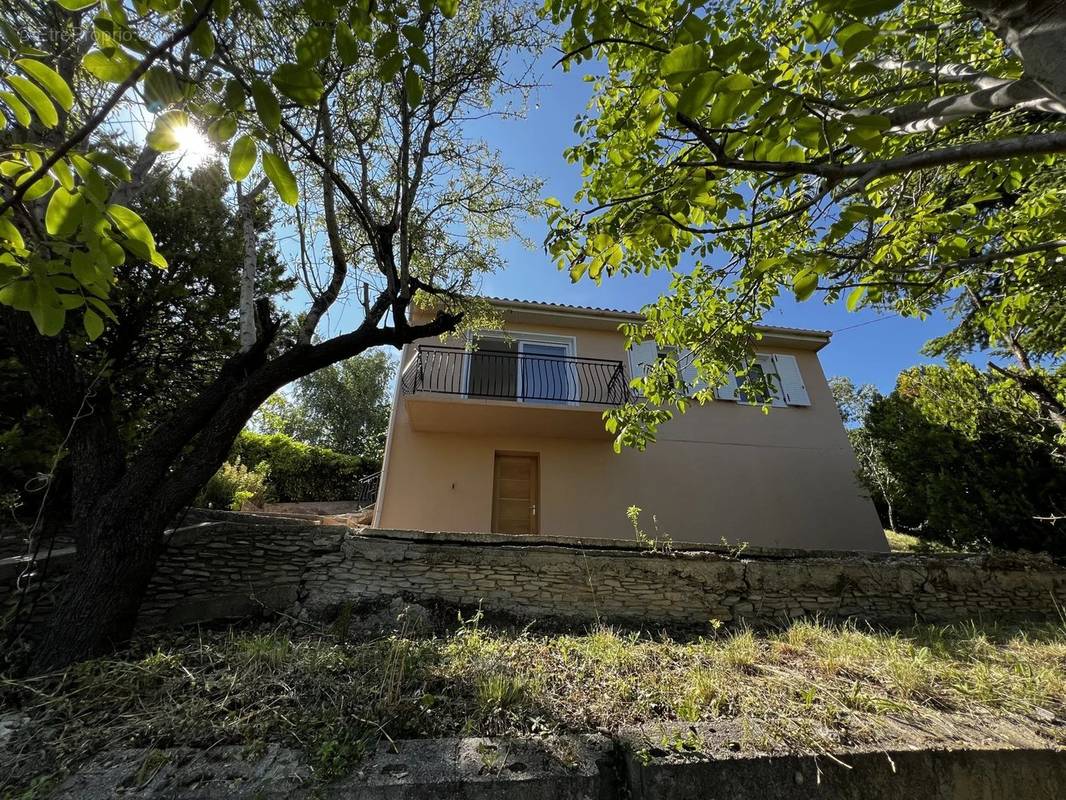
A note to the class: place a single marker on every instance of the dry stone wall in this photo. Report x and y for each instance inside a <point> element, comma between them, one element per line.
<point>685,587</point>
<point>233,566</point>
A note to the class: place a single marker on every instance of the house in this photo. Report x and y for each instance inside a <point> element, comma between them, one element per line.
<point>509,438</point>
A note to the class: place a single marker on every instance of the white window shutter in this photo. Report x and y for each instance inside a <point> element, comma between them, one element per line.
<point>728,390</point>
<point>641,356</point>
<point>769,369</point>
<point>791,381</point>
<point>689,374</point>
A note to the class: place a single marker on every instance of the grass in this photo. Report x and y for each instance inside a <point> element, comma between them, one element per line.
<point>905,543</point>
<point>805,688</point>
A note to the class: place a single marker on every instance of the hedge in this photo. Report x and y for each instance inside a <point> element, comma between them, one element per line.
<point>302,472</point>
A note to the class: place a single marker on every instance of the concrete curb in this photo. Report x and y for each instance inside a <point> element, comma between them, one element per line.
<point>577,767</point>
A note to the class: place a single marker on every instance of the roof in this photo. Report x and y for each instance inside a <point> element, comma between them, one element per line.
<point>622,315</point>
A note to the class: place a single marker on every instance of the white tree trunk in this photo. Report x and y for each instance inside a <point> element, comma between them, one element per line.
<point>246,209</point>
<point>1036,31</point>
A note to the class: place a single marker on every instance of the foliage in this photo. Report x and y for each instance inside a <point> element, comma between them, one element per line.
<point>967,469</point>
<point>173,328</point>
<point>854,403</point>
<point>235,486</point>
<point>76,190</point>
<point>895,154</point>
<point>342,407</point>
<point>800,688</point>
<point>298,472</point>
<point>353,112</point>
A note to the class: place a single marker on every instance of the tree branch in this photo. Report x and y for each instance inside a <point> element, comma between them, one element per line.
<point>97,119</point>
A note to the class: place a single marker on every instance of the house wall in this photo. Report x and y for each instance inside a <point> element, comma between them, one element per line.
<point>720,471</point>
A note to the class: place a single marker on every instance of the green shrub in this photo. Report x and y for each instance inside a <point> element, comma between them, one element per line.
<point>235,486</point>
<point>301,472</point>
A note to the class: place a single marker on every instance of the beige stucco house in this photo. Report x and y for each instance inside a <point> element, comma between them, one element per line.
<point>508,438</point>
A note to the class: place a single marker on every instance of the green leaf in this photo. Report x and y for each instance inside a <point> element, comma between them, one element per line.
<point>165,136</point>
<point>804,283</point>
<point>76,5</point>
<point>314,45</point>
<point>242,158</point>
<point>736,83</point>
<point>391,67</point>
<point>114,68</point>
<point>697,94</point>
<point>277,170</point>
<point>38,188</point>
<point>94,325</point>
<point>855,298</point>
<point>234,96</point>
<point>222,130</point>
<point>202,40</point>
<point>10,234</point>
<point>137,234</point>
<point>35,99</point>
<point>854,37</point>
<point>20,295</point>
<point>63,214</point>
<point>683,62</point>
<point>48,318</point>
<point>110,163</point>
<point>266,105</point>
<point>413,84</point>
<point>51,80</point>
<point>347,45</point>
<point>414,35</point>
<point>161,89</point>
<point>299,83</point>
<point>321,10</point>
<point>448,8</point>
<point>62,173</point>
<point>386,44</point>
<point>18,108</point>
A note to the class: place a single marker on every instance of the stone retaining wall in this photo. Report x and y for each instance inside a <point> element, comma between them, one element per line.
<point>241,565</point>
<point>606,581</point>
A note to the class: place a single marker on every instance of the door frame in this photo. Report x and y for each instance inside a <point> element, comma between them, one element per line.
<point>536,485</point>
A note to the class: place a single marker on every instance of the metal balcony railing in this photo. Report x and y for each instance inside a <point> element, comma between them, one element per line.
<point>507,375</point>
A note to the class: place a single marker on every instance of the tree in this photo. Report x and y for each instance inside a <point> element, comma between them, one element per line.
<point>173,329</point>
<point>891,153</point>
<point>854,403</point>
<point>342,407</point>
<point>971,471</point>
<point>359,106</point>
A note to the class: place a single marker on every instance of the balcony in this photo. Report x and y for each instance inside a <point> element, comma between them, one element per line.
<point>523,389</point>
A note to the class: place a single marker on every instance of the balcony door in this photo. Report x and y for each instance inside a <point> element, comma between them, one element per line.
<point>545,374</point>
<point>514,493</point>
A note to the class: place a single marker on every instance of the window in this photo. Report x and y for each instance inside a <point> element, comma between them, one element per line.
<point>760,384</point>
<point>773,378</point>
<point>523,367</point>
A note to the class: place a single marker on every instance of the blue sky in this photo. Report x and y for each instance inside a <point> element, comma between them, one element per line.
<point>865,347</point>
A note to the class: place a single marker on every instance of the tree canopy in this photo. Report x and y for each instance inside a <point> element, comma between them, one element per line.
<point>343,407</point>
<point>894,154</point>
<point>353,114</point>
<point>953,455</point>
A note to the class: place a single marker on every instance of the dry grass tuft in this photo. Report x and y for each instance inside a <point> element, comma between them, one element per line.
<point>806,687</point>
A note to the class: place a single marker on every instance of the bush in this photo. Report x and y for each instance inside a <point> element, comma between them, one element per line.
<point>235,486</point>
<point>301,472</point>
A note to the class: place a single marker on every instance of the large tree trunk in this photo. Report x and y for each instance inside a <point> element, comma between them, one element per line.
<point>97,608</point>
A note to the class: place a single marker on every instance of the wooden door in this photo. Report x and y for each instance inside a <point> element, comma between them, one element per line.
<point>515,492</point>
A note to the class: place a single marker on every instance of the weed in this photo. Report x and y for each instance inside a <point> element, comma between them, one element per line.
<point>660,543</point>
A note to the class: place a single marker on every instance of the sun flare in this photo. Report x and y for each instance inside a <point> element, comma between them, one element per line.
<point>193,146</point>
